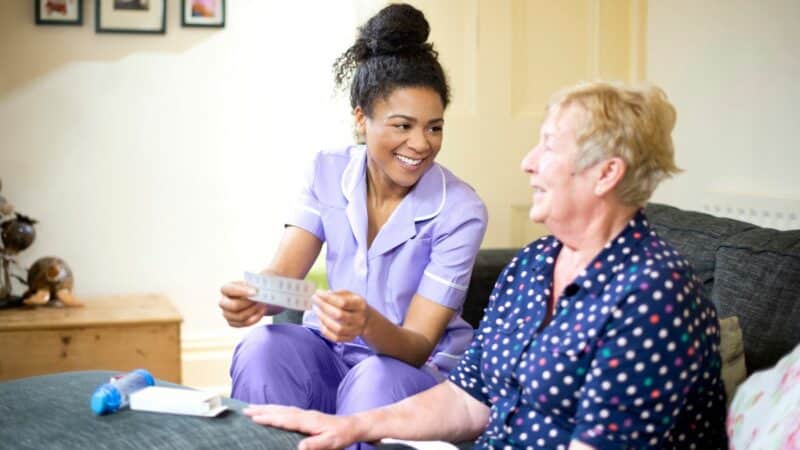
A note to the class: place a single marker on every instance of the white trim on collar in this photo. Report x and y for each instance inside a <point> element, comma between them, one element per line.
<point>351,176</point>
<point>354,173</point>
<point>441,204</point>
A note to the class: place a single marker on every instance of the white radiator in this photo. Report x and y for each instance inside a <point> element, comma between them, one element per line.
<point>771,212</point>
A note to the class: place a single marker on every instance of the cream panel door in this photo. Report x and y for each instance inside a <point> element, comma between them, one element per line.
<point>504,58</point>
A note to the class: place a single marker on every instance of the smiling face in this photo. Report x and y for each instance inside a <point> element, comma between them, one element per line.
<point>403,137</point>
<point>560,193</point>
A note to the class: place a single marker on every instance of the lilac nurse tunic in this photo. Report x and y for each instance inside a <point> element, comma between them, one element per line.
<point>427,246</point>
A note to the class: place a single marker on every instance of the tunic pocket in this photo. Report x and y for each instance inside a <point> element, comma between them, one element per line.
<point>404,272</point>
<point>338,235</point>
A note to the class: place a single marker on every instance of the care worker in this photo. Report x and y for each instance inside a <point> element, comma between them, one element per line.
<point>402,233</point>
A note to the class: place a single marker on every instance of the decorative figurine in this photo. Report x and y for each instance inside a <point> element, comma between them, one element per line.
<point>18,234</point>
<point>6,208</point>
<point>6,259</point>
<point>50,279</point>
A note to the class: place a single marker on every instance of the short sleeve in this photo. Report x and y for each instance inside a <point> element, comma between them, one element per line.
<point>453,251</point>
<point>657,349</point>
<point>307,211</point>
<point>467,374</point>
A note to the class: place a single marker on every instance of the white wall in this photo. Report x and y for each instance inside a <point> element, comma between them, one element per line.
<point>731,67</point>
<point>164,163</point>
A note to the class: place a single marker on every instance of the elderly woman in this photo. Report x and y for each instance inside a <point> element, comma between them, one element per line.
<point>595,337</point>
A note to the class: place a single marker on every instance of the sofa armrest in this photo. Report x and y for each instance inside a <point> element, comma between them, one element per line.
<point>488,265</point>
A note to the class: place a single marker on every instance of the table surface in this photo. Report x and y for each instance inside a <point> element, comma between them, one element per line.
<point>109,310</point>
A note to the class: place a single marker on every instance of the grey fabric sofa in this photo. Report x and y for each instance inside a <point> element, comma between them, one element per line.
<point>748,271</point>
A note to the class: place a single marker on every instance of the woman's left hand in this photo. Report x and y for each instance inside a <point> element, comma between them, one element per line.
<point>326,431</point>
<point>343,315</point>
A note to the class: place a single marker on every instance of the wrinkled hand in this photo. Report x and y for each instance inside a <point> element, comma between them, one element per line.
<point>343,315</point>
<point>237,309</point>
<point>326,431</point>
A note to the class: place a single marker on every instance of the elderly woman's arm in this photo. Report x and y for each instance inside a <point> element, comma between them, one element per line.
<point>444,412</point>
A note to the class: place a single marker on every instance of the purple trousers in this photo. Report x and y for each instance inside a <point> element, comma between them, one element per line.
<point>293,365</point>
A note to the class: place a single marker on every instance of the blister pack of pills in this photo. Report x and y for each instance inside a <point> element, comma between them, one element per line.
<point>281,291</point>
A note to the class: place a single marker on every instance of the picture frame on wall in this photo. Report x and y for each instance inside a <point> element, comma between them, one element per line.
<point>59,12</point>
<point>203,13</point>
<point>131,16</point>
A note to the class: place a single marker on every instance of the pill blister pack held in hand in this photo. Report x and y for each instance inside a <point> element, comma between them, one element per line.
<point>281,291</point>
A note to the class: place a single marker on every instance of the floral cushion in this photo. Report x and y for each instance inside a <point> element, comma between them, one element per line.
<point>765,413</point>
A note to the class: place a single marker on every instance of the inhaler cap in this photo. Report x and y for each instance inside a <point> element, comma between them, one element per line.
<point>105,399</point>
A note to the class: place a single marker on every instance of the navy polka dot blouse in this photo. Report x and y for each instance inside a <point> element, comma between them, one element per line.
<point>630,358</point>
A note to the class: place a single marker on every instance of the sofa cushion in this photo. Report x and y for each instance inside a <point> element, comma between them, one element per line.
<point>695,235</point>
<point>734,370</point>
<point>757,278</point>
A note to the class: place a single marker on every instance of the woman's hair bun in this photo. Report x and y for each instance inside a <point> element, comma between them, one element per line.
<point>397,28</point>
<point>391,51</point>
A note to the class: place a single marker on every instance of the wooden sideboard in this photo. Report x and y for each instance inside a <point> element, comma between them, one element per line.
<point>118,333</point>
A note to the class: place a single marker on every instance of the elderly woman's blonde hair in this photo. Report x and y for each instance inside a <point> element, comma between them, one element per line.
<point>632,123</point>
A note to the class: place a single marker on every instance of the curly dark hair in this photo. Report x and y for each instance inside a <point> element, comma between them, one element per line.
<point>391,52</point>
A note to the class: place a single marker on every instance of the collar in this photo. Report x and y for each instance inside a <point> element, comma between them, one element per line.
<point>632,236</point>
<point>423,202</point>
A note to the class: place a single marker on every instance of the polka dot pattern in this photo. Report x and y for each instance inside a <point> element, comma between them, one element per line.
<point>629,360</point>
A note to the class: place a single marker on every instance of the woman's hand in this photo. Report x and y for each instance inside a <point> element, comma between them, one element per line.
<point>343,315</point>
<point>237,309</point>
<point>326,431</point>
<point>296,253</point>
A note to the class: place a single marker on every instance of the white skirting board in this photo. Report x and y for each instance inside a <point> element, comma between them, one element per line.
<point>206,358</point>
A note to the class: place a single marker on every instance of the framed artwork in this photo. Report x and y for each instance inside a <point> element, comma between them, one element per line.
<point>131,16</point>
<point>203,13</point>
<point>59,12</point>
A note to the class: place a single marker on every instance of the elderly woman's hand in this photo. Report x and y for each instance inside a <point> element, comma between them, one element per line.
<point>343,315</point>
<point>326,431</point>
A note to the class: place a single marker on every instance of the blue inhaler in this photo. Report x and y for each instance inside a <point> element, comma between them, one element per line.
<point>110,397</point>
